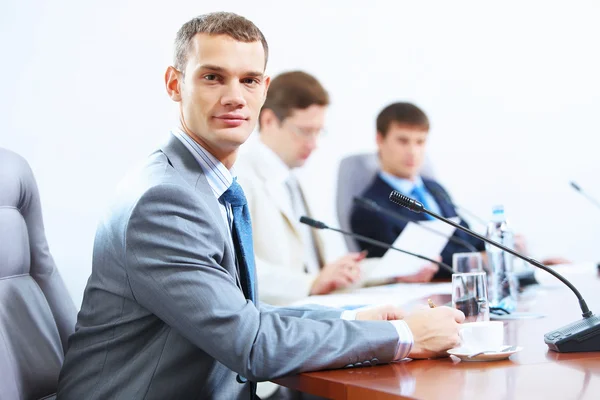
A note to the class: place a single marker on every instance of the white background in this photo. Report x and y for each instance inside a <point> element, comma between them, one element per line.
<point>512,90</point>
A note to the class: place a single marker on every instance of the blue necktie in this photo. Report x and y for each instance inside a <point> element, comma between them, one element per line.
<point>418,193</point>
<point>242,238</point>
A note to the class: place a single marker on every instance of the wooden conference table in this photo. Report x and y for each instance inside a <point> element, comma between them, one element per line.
<point>533,373</point>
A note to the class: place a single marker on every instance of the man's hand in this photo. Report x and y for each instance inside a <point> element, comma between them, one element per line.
<point>424,275</point>
<point>338,274</point>
<point>380,313</point>
<point>521,246</point>
<point>555,261</point>
<point>435,330</point>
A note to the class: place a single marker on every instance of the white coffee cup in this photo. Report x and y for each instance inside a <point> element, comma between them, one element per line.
<point>480,336</point>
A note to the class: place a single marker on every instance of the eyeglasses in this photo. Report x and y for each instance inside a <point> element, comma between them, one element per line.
<point>307,133</point>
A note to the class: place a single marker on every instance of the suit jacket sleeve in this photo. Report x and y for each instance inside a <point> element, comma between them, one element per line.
<point>312,311</point>
<point>173,254</point>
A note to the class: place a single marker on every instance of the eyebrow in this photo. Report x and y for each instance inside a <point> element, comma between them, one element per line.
<point>216,68</point>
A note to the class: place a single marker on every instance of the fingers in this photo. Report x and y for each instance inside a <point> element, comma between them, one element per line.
<point>395,313</point>
<point>454,341</point>
<point>555,261</point>
<point>458,315</point>
<point>348,258</point>
<point>360,256</point>
<point>432,267</point>
<point>352,274</point>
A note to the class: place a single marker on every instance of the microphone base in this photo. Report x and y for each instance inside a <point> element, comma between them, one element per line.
<point>579,336</point>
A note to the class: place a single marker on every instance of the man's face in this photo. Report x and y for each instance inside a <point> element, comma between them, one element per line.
<point>402,150</point>
<point>294,138</point>
<point>221,91</point>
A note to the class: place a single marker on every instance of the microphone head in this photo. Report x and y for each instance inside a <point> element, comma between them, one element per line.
<point>575,186</point>
<point>313,222</point>
<point>406,202</point>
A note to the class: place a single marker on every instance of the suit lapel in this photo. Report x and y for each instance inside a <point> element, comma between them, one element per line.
<point>187,166</point>
<point>316,237</point>
<point>279,194</point>
<point>383,191</point>
<point>277,191</point>
<point>445,207</point>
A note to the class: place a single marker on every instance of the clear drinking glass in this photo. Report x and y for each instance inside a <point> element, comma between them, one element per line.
<point>467,262</point>
<point>469,295</point>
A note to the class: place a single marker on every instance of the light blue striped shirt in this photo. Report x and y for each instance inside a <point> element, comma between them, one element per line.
<point>220,178</point>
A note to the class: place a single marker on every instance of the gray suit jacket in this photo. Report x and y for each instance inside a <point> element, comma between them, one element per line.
<point>163,314</point>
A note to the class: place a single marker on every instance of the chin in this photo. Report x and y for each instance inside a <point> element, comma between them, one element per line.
<point>234,135</point>
<point>300,163</point>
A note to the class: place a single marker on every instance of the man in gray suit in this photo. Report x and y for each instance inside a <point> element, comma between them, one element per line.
<point>170,311</point>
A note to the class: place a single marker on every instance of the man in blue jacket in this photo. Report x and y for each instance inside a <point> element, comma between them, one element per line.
<point>402,130</point>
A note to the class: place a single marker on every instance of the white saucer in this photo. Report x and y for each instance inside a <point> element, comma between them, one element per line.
<point>463,354</point>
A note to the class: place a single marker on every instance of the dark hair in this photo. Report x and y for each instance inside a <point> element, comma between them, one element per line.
<point>406,114</point>
<point>218,23</point>
<point>294,90</point>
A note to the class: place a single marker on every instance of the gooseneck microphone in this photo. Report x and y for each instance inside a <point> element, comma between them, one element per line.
<point>440,193</point>
<point>373,206</point>
<point>321,225</point>
<point>579,336</point>
<point>584,194</point>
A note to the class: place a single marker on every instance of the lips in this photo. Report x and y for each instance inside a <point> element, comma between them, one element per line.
<point>231,119</point>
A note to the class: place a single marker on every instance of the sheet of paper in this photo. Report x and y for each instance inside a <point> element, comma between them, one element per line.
<point>416,240</point>
<point>397,294</point>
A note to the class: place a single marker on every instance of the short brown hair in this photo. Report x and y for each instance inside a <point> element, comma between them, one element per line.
<point>217,23</point>
<point>294,90</point>
<point>406,114</point>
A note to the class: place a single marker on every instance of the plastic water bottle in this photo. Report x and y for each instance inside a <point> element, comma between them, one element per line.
<point>502,283</point>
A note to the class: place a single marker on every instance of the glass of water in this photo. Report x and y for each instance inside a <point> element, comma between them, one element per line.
<point>469,295</point>
<point>467,262</point>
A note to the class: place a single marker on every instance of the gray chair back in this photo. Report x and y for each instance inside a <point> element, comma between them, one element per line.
<point>355,174</point>
<point>37,315</point>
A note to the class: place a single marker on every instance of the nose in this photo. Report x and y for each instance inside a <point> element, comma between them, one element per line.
<point>312,142</point>
<point>413,149</point>
<point>233,95</point>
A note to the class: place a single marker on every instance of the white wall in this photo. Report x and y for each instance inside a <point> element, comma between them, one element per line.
<point>512,91</point>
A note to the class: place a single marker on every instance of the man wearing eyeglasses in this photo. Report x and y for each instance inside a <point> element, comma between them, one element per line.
<point>289,256</point>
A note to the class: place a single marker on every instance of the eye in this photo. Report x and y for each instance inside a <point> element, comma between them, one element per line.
<point>210,77</point>
<point>250,81</point>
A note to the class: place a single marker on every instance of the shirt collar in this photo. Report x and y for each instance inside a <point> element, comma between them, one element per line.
<point>218,176</point>
<point>278,170</point>
<point>404,186</point>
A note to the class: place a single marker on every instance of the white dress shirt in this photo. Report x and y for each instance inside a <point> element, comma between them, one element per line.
<point>282,173</point>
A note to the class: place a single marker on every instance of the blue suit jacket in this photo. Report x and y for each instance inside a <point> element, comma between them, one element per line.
<point>386,229</point>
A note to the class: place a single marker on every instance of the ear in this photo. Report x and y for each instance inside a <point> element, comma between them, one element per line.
<point>173,78</point>
<point>380,139</point>
<point>267,118</point>
<point>267,84</point>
